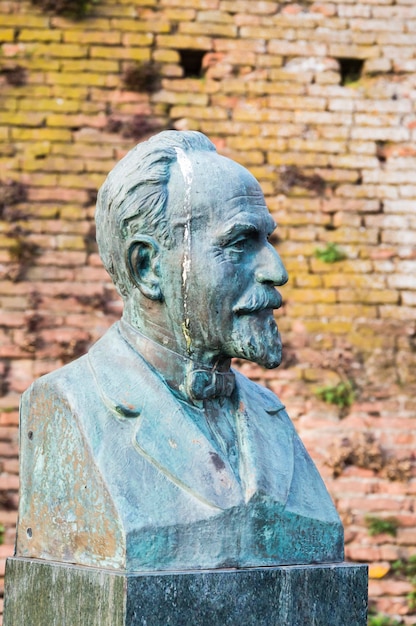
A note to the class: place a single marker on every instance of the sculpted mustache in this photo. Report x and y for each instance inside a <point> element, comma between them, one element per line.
<point>258,301</point>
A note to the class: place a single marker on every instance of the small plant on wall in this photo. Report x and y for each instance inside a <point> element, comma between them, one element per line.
<point>136,127</point>
<point>363,450</point>
<point>379,525</point>
<point>407,569</point>
<point>341,395</point>
<point>291,176</point>
<point>142,77</point>
<point>71,8</point>
<point>330,254</point>
<point>382,620</point>
<point>11,192</point>
<point>14,75</point>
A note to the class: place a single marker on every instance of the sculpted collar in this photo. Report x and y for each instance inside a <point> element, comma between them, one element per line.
<point>191,379</point>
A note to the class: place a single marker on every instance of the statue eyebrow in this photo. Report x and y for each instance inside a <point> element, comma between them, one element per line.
<point>245,228</point>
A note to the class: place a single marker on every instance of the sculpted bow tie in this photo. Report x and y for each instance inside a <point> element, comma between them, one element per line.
<point>205,384</point>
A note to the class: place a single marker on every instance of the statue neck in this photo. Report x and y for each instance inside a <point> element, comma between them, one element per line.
<point>192,380</point>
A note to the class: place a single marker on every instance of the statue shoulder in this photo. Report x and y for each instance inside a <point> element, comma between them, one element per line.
<point>72,378</point>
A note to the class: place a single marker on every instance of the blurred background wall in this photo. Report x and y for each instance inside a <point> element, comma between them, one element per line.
<point>318,100</point>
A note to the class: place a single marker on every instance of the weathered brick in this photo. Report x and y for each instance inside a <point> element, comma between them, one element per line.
<point>394,222</point>
<point>76,92</point>
<point>310,295</point>
<point>246,6</point>
<point>341,280</point>
<point>181,98</point>
<point>260,32</point>
<point>178,42</point>
<point>23,21</point>
<point>195,4</point>
<point>403,313</point>
<point>250,45</point>
<point>369,296</point>
<point>48,194</point>
<point>94,23</point>
<point>89,65</point>
<point>380,134</point>
<point>262,143</point>
<point>307,280</point>
<point>284,76</point>
<point>49,104</point>
<point>75,121</point>
<point>402,281</point>
<point>269,60</point>
<point>299,48</point>
<point>362,147</point>
<point>265,87</point>
<point>207,28</point>
<point>187,15</point>
<point>137,39</point>
<point>112,37</point>
<point>250,113</point>
<point>305,145</point>
<point>377,66</point>
<point>400,206</point>
<point>294,158</point>
<point>379,119</point>
<point>74,79</point>
<point>129,54</point>
<point>41,134</point>
<point>153,25</point>
<point>354,10</point>
<point>202,112</point>
<point>7,34</point>
<point>355,266</point>
<point>45,34</point>
<point>166,56</point>
<point>353,51</point>
<point>297,103</point>
<point>22,119</point>
<point>322,117</point>
<point>354,161</point>
<point>397,52</point>
<point>73,51</point>
<point>409,298</point>
<point>327,78</point>
<point>390,25</point>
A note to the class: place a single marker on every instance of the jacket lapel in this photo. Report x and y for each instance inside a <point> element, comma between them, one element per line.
<point>266,436</point>
<point>164,433</point>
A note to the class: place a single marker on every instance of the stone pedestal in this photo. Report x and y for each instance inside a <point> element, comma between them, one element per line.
<point>39,593</point>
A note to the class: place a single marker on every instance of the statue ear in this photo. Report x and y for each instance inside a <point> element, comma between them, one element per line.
<point>143,265</point>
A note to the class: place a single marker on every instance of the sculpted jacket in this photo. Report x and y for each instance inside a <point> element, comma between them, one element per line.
<point>116,474</point>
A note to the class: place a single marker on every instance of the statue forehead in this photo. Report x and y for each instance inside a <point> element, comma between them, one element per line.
<point>205,183</point>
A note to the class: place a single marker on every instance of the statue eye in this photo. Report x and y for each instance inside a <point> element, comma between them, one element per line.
<point>238,245</point>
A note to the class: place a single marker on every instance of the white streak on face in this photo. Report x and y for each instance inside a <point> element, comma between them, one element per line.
<point>187,172</point>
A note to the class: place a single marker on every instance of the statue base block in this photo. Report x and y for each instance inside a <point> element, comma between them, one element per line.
<point>41,592</point>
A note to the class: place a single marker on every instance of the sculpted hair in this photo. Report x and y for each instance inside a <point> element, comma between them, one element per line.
<point>134,197</point>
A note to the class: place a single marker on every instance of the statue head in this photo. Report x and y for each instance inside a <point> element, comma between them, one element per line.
<point>183,233</point>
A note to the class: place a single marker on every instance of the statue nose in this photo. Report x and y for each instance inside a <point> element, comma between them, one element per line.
<point>270,269</point>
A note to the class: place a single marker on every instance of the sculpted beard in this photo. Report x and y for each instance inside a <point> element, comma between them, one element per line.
<point>255,337</point>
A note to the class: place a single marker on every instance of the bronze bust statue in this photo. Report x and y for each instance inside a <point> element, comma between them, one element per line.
<point>149,452</point>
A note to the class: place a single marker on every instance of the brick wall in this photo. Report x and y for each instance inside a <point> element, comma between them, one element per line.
<point>318,100</point>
